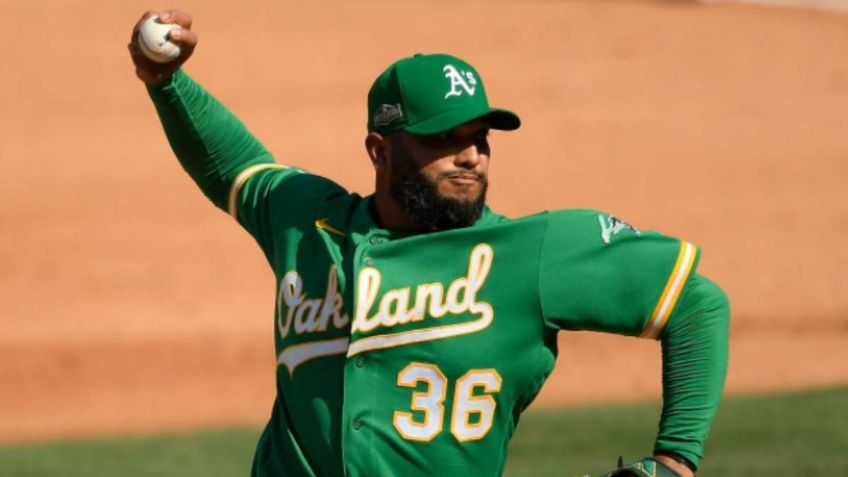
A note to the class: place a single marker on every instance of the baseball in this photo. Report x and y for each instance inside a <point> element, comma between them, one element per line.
<point>154,43</point>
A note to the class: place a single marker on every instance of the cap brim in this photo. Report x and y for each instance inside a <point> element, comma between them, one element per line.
<point>497,118</point>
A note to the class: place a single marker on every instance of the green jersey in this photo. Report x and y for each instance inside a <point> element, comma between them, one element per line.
<point>415,355</point>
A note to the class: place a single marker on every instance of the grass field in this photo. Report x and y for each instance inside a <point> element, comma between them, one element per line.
<point>801,434</point>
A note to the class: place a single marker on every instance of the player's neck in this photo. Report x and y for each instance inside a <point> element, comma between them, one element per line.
<point>391,216</point>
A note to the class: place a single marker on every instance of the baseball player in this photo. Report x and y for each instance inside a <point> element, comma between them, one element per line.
<point>413,326</point>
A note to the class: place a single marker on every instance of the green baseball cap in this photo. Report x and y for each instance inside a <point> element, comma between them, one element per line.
<point>429,94</point>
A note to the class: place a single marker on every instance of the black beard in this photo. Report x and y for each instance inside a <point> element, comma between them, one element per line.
<point>419,197</point>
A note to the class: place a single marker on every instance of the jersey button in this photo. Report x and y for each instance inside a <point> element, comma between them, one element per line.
<point>376,240</point>
<point>360,361</point>
<point>369,261</point>
<point>357,424</point>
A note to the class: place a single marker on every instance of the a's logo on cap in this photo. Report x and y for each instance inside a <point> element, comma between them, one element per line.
<point>387,113</point>
<point>459,79</point>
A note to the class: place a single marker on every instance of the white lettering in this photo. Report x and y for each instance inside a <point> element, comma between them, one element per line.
<point>366,293</point>
<point>459,79</point>
<point>313,315</point>
<point>430,298</point>
<point>332,304</point>
<point>309,315</point>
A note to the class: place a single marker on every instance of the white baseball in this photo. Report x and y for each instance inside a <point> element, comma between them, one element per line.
<point>153,40</point>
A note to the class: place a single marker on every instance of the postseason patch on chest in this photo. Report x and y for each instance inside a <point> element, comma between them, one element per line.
<point>612,226</point>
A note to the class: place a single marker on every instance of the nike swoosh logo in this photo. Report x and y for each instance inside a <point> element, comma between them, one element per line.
<point>322,224</point>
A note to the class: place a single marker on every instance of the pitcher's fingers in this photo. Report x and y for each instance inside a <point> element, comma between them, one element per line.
<point>179,17</point>
<point>139,59</point>
<point>184,38</point>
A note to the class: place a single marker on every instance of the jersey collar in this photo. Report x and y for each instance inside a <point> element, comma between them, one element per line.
<point>364,222</point>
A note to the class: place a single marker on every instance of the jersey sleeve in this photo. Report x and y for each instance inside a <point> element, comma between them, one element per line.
<point>599,273</point>
<point>212,145</point>
<point>231,167</point>
<point>270,200</point>
<point>694,350</point>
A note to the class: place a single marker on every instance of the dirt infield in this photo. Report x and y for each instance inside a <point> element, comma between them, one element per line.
<point>130,304</point>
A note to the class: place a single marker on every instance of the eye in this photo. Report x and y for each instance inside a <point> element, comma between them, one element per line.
<point>438,141</point>
<point>481,138</point>
<point>450,139</point>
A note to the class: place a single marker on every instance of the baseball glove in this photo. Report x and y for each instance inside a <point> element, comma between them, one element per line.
<point>645,467</point>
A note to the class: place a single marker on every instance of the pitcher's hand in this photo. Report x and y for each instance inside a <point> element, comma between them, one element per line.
<point>151,72</point>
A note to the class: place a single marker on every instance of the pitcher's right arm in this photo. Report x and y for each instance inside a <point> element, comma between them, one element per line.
<point>212,145</point>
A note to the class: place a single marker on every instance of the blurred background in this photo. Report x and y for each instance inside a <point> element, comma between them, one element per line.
<point>129,304</point>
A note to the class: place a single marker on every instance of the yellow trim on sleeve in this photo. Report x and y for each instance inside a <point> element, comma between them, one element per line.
<point>665,305</point>
<point>239,181</point>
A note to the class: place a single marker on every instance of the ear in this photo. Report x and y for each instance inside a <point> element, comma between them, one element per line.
<point>377,147</point>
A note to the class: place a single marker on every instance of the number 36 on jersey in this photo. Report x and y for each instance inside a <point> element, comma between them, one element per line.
<point>473,407</point>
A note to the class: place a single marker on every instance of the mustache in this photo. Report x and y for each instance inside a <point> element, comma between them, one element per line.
<point>481,177</point>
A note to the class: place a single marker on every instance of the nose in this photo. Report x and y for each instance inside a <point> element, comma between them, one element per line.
<point>471,156</point>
